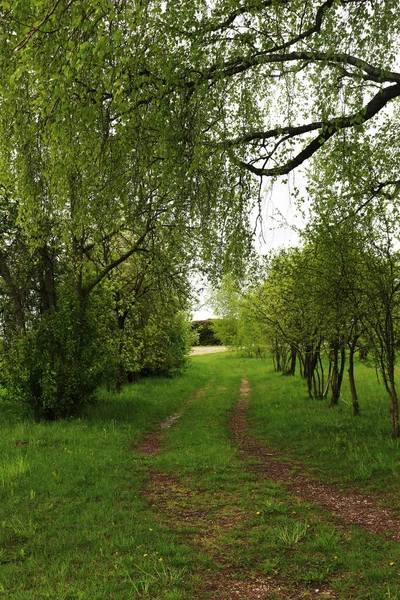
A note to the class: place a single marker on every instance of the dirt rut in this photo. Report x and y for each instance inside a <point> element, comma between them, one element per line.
<point>186,510</point>
<point>352,507</point>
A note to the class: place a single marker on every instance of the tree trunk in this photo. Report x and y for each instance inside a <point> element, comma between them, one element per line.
<point>341,367</point>
<point>335,373</point>
<point>328,381</point>
<point>308,371</point>
<point>353,389</point>
<point>122,375</point>
<point>394,405</point>
<point>301,364</point>
<point>19,317</point>
<point>278,364</point>
<point>339,360</point>
<point>46,278</point>
<point>310,367</point>
<point>307,362</point>
<point>322,378</point>
<point>293,358</point>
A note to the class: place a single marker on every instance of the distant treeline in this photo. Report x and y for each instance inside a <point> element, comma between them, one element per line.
<point>206,335</point>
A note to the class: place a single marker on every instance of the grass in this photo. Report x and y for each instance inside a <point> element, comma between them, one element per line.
<point>78,524</point>
<point>330,441</point>
<point>74,523</point>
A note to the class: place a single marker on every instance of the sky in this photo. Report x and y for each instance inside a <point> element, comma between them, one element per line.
<point>279,218</point>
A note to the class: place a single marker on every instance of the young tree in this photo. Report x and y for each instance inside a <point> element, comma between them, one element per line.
<point>355,223</point>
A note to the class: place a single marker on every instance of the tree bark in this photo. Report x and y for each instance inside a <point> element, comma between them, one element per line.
<point>19,317</point>
<point>339,359</point>
<point>314,384</point>
<point>47,287</point>
<point>293,358</point>
<point>394,412</point>
<point>328,380</point>
<point>394,403</point>
<point>352,381</point>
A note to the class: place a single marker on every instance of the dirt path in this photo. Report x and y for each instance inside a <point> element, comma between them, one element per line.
<point>151,444</point>
<point>210,517</point>
<point>353,508</point>
<point>196,350</point>
<point>206,520</point>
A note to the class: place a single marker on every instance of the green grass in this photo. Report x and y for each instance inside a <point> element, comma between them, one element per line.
<point>73,522</point>
<point>331,441</point>
<point>77,523</point>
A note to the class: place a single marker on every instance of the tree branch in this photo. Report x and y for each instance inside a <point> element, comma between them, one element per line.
<point>272,133</point>
<point>328,129</point>
<point>316,28</point>
<point>244,63</point>
<point>111,266</point>
<point>237,13</point>
<point>14,293</point>
<point>34,30</point>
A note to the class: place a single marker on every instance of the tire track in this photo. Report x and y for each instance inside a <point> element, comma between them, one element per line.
<point>204,520</point>
<point>151,444</point>
<point>352,507</point>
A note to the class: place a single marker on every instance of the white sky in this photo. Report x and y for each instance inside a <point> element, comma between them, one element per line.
<point>279,216</point>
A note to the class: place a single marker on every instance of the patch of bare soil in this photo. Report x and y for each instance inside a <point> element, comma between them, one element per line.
<point>186,509</point>
<point>352,507</point>
<point>205,518</point>
<point>227,587</point>
<point>151,444</point>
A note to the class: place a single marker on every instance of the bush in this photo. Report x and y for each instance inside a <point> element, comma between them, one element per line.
<point>57,365</point>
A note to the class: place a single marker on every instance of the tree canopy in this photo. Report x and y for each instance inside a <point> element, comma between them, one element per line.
<point>266,82</point>
<point>131,133</point>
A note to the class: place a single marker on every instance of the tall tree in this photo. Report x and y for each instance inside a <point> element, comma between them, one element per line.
<point>96,167</point>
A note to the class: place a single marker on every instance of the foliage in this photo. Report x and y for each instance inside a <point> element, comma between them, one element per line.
<point>99,187</point>
<point>166,343</point>
<point>57,365</point>
<point>320,303</point>
<point>205,333</point>
<point>133,130</point>
<point>153,332</point>
<point>354,229</point>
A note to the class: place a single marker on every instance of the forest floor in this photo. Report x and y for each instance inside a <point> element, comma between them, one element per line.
<point>227,482</point>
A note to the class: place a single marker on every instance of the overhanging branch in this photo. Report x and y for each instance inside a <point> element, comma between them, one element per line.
<point>327,130</point>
